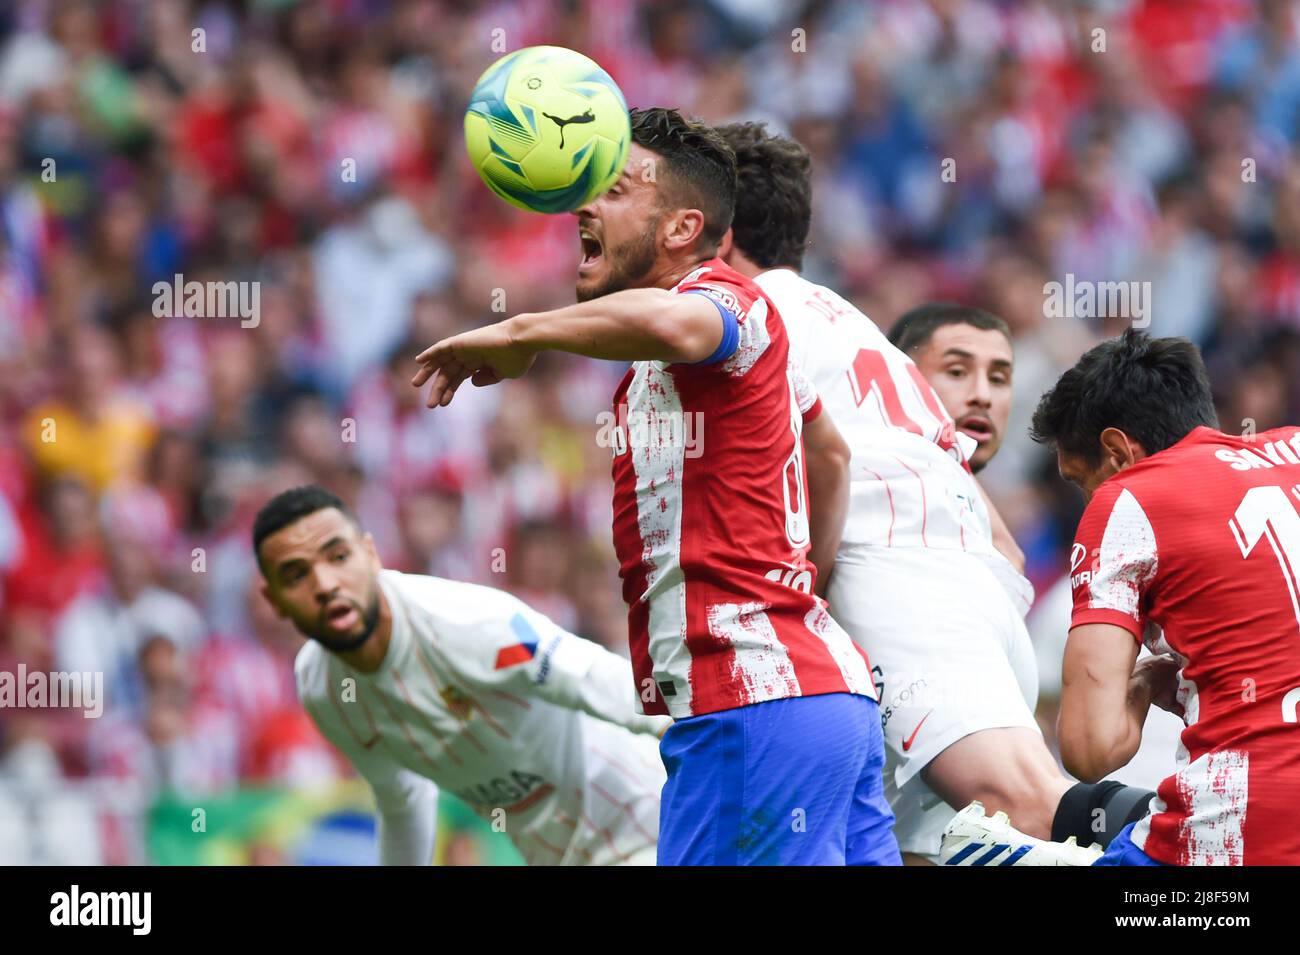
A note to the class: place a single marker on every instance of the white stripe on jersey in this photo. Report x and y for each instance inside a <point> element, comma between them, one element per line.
<point>762,661</point>
<point>1126,560</point>
<point>659,469</point>
<point>753,342</point>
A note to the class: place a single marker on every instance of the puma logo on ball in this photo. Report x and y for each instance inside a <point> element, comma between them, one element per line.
<point>587,117</point>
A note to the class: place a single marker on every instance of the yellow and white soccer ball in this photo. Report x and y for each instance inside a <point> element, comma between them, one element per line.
<point>547,129</point>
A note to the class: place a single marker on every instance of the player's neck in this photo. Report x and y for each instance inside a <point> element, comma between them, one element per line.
<point>744,264</point>
<point>674,272</point>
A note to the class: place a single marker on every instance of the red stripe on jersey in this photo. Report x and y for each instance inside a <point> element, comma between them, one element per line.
<point>924,510</point>
<point>624,808</point>
<point>889,538</point>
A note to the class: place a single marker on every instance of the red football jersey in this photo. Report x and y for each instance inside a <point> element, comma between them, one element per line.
<point>1196,550</point>
<point>711,522</point>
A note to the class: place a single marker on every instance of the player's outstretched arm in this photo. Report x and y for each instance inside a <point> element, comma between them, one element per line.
<point>827,458</point>
<point>1104,700</point>
<point>631,325</point>
<point>519,651</point>
<point>408,821</point>
<point>407,802</point>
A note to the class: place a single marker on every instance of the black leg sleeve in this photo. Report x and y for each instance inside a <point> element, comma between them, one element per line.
<point>1077,813</point>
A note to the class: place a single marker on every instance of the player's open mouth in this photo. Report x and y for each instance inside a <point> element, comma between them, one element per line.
<point>592,250</point>
<point>341,616</point>
<point>978,428</point>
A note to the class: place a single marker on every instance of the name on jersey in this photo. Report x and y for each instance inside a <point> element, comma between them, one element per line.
<point>651,429</point>
<point>724,297</point>
<point>1270,454</point>
<point>1077,555</point>
<point>506,792</point>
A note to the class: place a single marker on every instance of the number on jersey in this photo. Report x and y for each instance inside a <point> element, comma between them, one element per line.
<point>1266,512</point>
<point>870,375</point>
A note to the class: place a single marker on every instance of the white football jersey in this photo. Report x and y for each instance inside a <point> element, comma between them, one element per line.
<point>479,694</point>
<point>911,485</point>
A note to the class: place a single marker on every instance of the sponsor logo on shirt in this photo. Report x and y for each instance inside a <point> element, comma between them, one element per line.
<point>907,696</point>
<point>524,650</point>
<point>544,665</point>
<point>518,791</point>
<point>515,654</point>
<point>1077,556</point>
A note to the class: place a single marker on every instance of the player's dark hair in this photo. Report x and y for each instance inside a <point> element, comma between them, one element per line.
<point>700,166</point>
<point>917,326</point>
<point>1153,389</point>
<point>773,195</point>
<point>289,507</point>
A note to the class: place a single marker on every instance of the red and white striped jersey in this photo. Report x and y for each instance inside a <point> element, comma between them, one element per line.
<point>711,522</point>
<point>1196,551</point>
<point>912,485</point>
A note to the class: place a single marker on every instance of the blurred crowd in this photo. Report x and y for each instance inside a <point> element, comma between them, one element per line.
<point>314,148</point>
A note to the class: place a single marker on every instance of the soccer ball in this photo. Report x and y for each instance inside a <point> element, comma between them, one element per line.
<point>547,129</point>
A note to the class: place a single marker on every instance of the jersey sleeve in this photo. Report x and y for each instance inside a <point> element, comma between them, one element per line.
<point>520,651</point>
<point>743,326</point>
<point>406,801</point>
<point>805,393</point>
<point>1113,562</point>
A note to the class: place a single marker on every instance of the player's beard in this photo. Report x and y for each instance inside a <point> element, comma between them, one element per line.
<point>369,620</point>
<point>629,262</point>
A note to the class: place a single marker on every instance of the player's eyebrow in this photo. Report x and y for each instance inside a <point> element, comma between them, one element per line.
<point>956,352</point>
<point>286,565</point>
<point>294,561</point>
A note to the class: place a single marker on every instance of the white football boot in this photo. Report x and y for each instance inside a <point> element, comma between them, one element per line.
<point>972,838</point>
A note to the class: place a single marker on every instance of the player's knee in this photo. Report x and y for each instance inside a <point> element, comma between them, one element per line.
<point>1011,776</point>
<point>1029,801</point>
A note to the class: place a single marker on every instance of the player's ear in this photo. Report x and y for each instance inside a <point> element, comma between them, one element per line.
<point>1119,449</point>
<point>266,595</point>
<point>368,542</point>
<point>683,229</point>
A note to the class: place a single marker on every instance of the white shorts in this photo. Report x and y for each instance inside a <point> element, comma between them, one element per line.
<point>953,655</point>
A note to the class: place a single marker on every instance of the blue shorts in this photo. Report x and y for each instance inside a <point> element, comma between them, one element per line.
<point>1121,851</point>
<point>787,782</point>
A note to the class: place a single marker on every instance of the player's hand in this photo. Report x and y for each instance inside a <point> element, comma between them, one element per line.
<point>485,356</point>
<point>1158,676</point>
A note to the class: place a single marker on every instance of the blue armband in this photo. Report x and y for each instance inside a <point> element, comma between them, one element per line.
<point>730,330</point>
